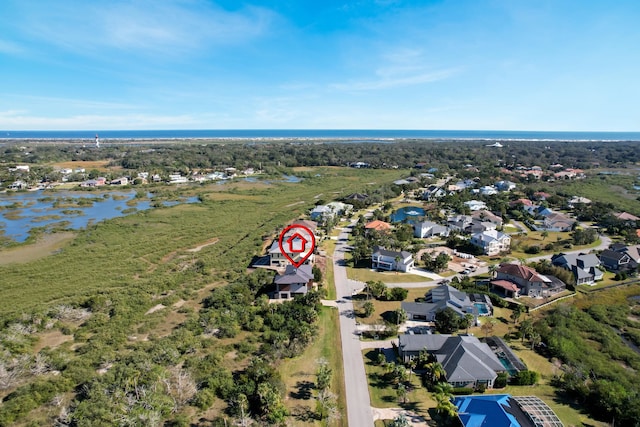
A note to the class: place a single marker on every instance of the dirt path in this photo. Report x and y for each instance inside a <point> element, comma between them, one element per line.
<point>204,245</point>
<point>45,246</point>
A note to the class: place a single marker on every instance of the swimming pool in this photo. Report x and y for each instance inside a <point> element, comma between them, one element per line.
<point>483,310</point>
<point>508,366</point>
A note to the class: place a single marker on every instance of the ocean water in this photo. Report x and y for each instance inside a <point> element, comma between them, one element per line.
<point>363,135</point>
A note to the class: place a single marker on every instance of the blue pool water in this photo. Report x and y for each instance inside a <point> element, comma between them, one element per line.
<point>407,214</point>
<point>482,308</point>
<point>507,365</point>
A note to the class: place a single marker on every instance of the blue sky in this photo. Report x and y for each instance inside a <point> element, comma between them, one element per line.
<point>298,64</point>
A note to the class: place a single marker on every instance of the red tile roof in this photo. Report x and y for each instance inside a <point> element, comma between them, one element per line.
<point>522,271</point>
<point>505,284</point>
<point>378,225</point>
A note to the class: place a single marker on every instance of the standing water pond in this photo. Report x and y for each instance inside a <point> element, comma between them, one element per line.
<point>20,213</point>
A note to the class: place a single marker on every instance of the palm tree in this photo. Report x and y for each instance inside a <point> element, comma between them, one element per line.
<point>535,339</point>
<point>526,328</point>
<point>492,270</point>
<point>517,312</point>
<point>435,372</point>
<point>401,392</point>
<point>467,321</point>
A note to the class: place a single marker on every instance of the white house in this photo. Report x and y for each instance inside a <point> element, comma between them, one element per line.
<point>475,205</point>
<point>488,190</point>
<point>492,242</point>
<point>382,259</point>
<point>429,229</point>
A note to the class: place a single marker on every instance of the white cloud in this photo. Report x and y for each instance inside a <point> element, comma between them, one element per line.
<point>160,27</point>
<point>391,78</point>
<point>10,47</point>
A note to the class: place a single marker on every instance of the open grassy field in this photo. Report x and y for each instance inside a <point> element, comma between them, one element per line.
<point>615,189</point>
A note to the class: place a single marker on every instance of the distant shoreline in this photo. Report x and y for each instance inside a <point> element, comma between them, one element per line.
<point>329,135</point>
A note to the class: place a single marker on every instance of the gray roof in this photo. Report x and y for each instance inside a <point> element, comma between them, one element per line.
<point>293,275</point>
<point>379,250</point>
<point>464,358</point>
<point>439,298</point>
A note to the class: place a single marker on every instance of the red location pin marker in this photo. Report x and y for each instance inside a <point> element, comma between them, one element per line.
<point>297,243</point>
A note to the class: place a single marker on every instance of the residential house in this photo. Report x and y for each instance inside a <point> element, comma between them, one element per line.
<point>320,213</point>
<point>330,210</point>
<point>505,185</point>
<point>529,281</point>
<point>492,242</point>
<point>278,259</point>
<point>475,205</point>
<point>176,178</point>
<point>478,226</point>
<point>459,222</point>
<point>466,361</point>
<point>443,296</point>
<point>433,192</point>
<point>583,266</point>
<point>427,229</point>
<point>521,202</point>
<point>576,200</point>
<point>505,288</point>
<point>120,181</point>
<point>382,259</point>
<point>294,281</point>
<point>378,225</point>
<point>558,222</point>
<point>94,182</point>
<point>626,216</point>
<point>485,215</point>
<point>503,410</point>
<point>617,261</point>
<point>632,250</point>
<point>488,190</point>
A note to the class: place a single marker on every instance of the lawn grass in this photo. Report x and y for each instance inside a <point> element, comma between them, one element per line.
<point>365,275</point>
<point>299,376</point>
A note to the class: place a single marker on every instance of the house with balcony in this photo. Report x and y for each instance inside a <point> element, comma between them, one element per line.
<point>585,267</point>
<point>491,242</point>
<point>382,259</point>
<point>529,281</point>
<point>294,281</point>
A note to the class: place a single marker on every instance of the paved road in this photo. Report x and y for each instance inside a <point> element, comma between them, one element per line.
<point>359,412</point>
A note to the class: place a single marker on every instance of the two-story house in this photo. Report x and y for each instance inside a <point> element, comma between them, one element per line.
<point>492,242</point>
<point>529,281</point>
<point>294,281</point>
<point>583,266</point>
<point>382,259</point>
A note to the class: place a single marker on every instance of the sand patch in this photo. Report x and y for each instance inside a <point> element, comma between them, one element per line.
<point>204,245</point>
<point>155,308</point>
<point>51,339</point>
<point>296,203</point>
<point>45,246</point>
